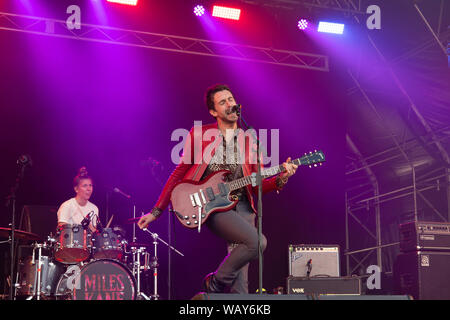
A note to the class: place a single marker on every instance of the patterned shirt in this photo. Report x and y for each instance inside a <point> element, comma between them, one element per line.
<point>227,157</point>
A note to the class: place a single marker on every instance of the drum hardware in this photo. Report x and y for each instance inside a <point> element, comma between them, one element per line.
<point>137,267</point>
<point>154,260</point>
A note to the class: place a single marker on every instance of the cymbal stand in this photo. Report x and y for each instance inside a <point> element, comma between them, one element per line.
<point>137,269</point>
<point>23,162</point>
<point>154,263</point>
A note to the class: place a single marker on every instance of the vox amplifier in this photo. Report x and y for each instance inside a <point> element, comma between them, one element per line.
<point>324,285</point>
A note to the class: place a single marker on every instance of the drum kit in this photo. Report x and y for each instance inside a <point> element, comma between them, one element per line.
<point>77,264</point>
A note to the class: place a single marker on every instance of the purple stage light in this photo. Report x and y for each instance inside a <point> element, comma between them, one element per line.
<point>199,10</point>
<point>302,24</point>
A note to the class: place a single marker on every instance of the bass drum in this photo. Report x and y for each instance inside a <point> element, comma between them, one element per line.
<point>98,280</point>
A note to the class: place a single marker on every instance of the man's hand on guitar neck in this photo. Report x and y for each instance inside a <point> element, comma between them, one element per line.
<point>290,168</point>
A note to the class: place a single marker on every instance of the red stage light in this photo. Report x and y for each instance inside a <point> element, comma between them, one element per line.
<point>128,2</point>
<point>226,13</point>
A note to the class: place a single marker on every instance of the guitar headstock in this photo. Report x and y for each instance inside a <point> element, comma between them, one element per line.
<point>312,159</point>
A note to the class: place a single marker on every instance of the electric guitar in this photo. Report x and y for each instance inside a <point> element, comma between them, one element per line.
<point>194,201</point>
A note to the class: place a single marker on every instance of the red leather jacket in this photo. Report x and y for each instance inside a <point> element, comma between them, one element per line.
<point>200,146</point>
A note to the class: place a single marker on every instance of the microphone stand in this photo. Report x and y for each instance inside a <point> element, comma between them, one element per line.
<point>155,264</point>
<point>23,161</point>
<point>259,183</point>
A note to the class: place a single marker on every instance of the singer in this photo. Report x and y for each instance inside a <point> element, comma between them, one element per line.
<point>79,209</point>
<point>237,226</point>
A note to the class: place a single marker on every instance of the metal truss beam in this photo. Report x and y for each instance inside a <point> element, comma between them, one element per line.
<point>171,43</point>
<point>344,6</point>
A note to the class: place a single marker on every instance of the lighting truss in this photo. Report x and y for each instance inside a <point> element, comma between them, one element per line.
<point>171,43</point>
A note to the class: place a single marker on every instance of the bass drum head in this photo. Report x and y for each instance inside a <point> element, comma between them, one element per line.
<point>98,280</point>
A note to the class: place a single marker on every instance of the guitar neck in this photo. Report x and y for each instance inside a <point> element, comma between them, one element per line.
<point>266,173</point>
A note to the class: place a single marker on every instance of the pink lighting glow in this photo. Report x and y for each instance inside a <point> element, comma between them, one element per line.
<point>128,2</point>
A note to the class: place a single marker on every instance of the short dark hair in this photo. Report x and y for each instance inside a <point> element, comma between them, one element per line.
<point>211,91</point>
<point>82,174</point>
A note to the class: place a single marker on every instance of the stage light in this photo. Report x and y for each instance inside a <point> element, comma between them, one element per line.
<point>302,24</point>
<point>199,10</point>
<point>226,13</point>
<point>329,27</point>
<point>128,2</point>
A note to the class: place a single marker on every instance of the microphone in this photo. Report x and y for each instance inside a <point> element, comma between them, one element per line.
<point>235,108</point>
<point>117,190</point>
<point>99,225</point>
<point>87,220</point>
<point>25,160</point>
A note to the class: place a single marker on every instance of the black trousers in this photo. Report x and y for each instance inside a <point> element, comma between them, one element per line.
<point>237,228</point>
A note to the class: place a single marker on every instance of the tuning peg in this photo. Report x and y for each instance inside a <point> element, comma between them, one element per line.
<point>310,152</point>
<point>315,165</point>
<point>310,166</point>
<point>320,164</point>
<point>315,150</point>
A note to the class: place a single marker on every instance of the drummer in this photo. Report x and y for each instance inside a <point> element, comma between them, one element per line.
<point>74,210</point>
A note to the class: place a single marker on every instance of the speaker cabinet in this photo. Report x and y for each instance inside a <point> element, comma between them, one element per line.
<point>424,275</point>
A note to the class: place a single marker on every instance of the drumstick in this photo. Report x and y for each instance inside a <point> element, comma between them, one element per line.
<point>109,222</point>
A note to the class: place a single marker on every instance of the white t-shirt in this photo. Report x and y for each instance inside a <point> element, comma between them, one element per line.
<point>72,213</point>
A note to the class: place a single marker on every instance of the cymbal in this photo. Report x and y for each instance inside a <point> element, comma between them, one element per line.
<point>5,233</point>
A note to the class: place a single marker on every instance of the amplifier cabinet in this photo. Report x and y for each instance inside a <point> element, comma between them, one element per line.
<point>319,260</point>
<point>425,275</point>
<point>420,235</point>
<point>324,285</point>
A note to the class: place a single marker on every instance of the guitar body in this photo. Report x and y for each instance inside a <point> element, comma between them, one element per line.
<point>209,195</point>
<point>194,201</point>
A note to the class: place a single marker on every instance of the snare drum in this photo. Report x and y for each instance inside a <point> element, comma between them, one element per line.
<point>73,244</point>
<point>98,280</point>
<point>108,244</point>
